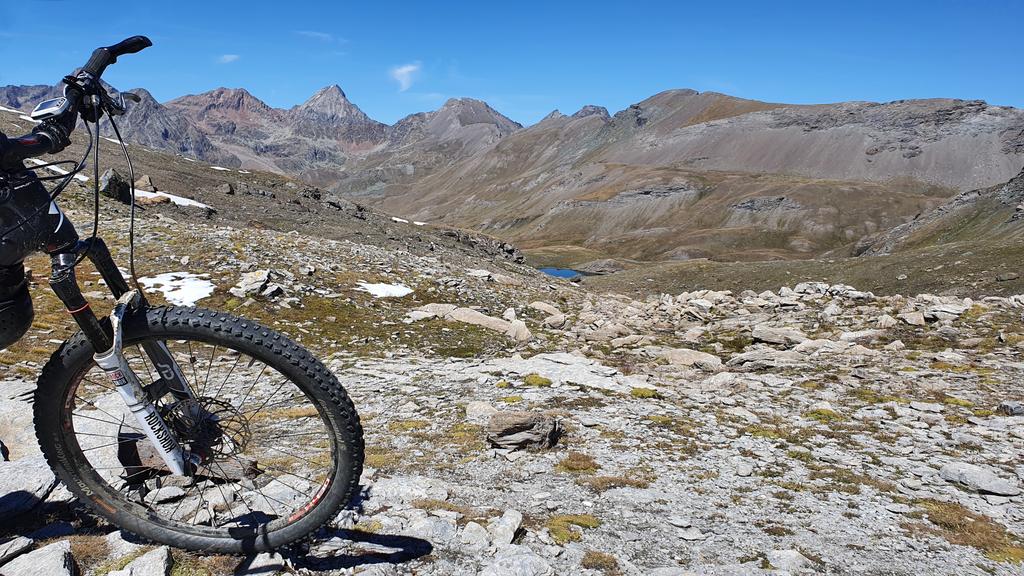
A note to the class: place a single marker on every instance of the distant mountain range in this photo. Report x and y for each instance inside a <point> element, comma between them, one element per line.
<point>679,175</point>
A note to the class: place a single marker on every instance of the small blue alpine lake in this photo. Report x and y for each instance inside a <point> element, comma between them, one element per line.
<point>561,272</point>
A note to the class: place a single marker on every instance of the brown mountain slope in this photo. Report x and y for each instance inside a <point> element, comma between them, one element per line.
<point>972,244</point>
<point>987,215</point>
<point>684,174</point>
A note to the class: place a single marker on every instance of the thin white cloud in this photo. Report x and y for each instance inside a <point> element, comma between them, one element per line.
<point>321,36</point>
<point>405,75</point>
<point>227,58</point>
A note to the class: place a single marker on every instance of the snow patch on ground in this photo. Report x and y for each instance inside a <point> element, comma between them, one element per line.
<point>401,220</point>
<point>384,290</point>
<point>244,172</point>
<point>58,170</point>
<point>175,199</point>
<point>221,168</point>
<point>418,223</point>
<point>181,288</point>
<point>114,140</point>
<point>29,118</point>
<point>6,109</point>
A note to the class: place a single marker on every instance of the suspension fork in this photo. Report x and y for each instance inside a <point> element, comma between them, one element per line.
<point>137,399</point>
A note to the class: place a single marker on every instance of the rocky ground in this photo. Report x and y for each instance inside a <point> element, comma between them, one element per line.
<point>521,425</point>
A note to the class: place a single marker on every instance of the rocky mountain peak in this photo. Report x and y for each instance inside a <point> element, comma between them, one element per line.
<point>467,111</point>
<point>236,105</point>
<point>330,101</point>
<point>553,115</point>
<point>145,96</point>
<point>234,99</point>
<point>591,110</point>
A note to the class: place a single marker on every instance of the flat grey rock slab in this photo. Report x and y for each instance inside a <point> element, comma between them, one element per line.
<point>52,560</point>
<point>978,479</point>
<point>13,547</point>
<point>24,484</point>
<point>156,562</point>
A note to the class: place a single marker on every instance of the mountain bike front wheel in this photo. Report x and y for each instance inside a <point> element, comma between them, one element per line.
<point>281,443</point>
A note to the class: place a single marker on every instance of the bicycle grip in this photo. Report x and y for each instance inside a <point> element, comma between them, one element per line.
<point>103,57</point>
<point>129,46</point>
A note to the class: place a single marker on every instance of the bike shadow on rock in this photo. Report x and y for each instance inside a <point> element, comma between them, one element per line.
<point>351,548</point>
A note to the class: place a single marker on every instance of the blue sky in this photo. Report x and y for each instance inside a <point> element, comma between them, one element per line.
<point>527,58</point>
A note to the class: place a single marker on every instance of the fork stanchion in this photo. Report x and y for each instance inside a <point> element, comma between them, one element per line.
<point>65,285</point>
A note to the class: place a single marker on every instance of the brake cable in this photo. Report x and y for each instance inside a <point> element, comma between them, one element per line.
<point>131,223</point>
<point>94,135</point>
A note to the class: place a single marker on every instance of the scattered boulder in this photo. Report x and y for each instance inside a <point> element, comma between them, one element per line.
<point>474,538</point>
<point>113,185</point>
<point>153,200</point>
<point>517,561</point>
<point>24,484</point>
<point>913,318</point>
<point>977,479</point>
<point>544,307</point>
<point>145,184</point>
<point>479,412</point>
<point>766,358</point>
<point>861,335</point>
<point>1011,408</point>
<point>503,530</point>
<point>470,316</point>
<point>515,329</point>
<point>781,336</point>
<point>884,322</point>
<point>255,282</point>
<point>687,357</point>
<point>52,560</point>
<point>555,321</point>
<point>945,312</point>
<point>13,547</point>
<point>156,562</point>
<point>788,560</point>
<point>516,430</point>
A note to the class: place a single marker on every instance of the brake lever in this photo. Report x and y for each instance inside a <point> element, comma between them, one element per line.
<point>118,106</point>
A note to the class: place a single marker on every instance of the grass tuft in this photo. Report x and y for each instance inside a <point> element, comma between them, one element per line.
<point>823,415</point>
<point>960,526</point>
<point>600,561</point>
<point>644,393</point>
<point>578,463</point>
<point>536,380</point>
<point>563,527</point>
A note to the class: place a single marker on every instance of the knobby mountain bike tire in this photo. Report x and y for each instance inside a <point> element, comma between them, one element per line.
<point>283,439</point>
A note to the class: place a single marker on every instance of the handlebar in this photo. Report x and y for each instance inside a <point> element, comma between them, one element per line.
<point>53,134</point>
<point>27,146</point>
<point>103,57</point>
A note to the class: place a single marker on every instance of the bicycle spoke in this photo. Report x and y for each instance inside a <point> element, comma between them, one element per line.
<point>230,372</point>
<point>107,421</point>
<point>257,381</point>
<point>272,394</point>
<point>208,368</point>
